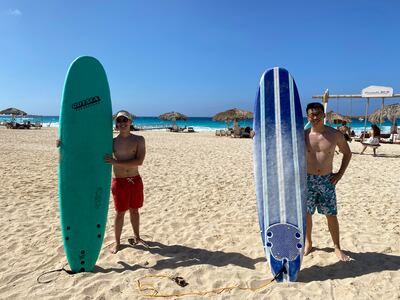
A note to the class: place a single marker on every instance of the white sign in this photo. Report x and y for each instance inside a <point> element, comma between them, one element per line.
<point>375,91</point>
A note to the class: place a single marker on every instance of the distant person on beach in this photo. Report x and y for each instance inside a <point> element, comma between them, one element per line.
<point>345,130</point>
<point>393,130</point>
<point>129,151</point>
<point>321,142</point>
<point>373,139</point>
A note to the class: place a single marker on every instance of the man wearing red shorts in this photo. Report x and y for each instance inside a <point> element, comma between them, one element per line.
<point>127,187</point>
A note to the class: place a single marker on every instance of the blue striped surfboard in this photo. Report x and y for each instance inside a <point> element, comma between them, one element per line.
<point>280,172</point>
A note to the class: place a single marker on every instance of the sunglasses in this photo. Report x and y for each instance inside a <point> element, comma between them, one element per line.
<point>317,114</point>
<point>122,120</point>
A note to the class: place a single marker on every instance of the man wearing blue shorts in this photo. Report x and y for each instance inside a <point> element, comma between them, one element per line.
<point>321,142</point>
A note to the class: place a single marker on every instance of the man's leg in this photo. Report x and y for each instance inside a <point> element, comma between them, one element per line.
<point>333,226</point>
<point>308,245</point>
<point>118,224</point>
<point>135,221</point>
<point>362,151</point>
<point>311,202</point>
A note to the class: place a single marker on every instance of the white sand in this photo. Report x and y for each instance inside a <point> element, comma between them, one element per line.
<point>200,220</point>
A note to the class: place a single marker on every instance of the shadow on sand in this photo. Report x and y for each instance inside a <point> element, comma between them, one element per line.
<point>387,155</point>
<point>175,256</point>
<point>379,155</point>
<point>362,264</point>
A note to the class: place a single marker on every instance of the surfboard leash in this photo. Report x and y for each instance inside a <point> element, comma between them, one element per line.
<point>150,238</point>
<point>148,289</point>
<point>62,269</point>
<point>69,272</point>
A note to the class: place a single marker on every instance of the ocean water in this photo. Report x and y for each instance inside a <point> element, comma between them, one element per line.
<point>198,123</point>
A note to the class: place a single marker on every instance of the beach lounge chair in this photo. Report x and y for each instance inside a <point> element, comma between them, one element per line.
<point>246,133</point>
<point>372,146</point>
<point>174,128</point>
<point>237,132</point>
<point>223,132</point>
<point>15,125</point>
<point>396,138</point>
<point>359,138</point>
<point>37,125</point>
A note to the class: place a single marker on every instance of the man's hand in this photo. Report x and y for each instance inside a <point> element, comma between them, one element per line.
<point>335,178</point>
<point>109,159</point>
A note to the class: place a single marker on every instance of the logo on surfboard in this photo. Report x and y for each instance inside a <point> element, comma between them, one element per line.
<point>86,103</point>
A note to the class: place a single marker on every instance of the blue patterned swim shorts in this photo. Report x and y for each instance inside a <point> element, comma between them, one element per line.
<point>321,194</point>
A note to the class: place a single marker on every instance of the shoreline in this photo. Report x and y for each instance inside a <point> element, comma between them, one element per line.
<point>357,130</point>
<point>205,124</point>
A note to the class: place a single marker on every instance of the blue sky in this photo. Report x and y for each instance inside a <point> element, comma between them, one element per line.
<point>196,57</point>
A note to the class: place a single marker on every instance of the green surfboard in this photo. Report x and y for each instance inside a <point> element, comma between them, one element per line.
<point>84,178</point>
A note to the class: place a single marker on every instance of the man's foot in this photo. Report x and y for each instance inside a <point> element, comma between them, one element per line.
<point>308,248</point>
<point>341,256</point>
<point>116,248</point>
<point>136,241</point>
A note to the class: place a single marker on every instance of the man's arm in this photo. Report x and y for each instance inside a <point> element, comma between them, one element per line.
<point>306,142</point>
<point>140,154</point>
<point>345,149</point>
<point>138,161</point>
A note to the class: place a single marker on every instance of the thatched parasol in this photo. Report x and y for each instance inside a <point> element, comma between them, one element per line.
<point>173,116</point>
<point>13,111</point>
<point>233,115</point>
<point>391,112</point>
<point>333,116</point>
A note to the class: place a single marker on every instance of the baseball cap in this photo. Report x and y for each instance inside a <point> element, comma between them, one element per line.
<point>123,113</point>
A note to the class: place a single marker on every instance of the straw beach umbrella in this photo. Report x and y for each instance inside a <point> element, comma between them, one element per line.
<point>173,116</point>
<point>13,111</point>
<point>333,116</point>
<point>233,115</point>
<point>391,112</point>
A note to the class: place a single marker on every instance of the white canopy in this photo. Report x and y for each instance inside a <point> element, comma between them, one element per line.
<point>374,91</point>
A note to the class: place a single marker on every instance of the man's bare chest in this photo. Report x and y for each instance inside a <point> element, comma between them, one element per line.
<point>125,149</point>
<point>320,144</point>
